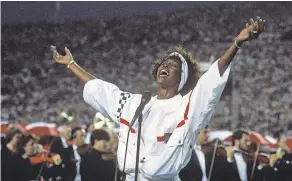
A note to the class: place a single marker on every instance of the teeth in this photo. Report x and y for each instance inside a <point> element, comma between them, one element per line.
<point>163,73</point>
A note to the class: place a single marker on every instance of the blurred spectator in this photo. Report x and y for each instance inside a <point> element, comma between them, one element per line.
<point>27,171</point>
<point>93,165</point>
<point>90,128</point>
<point>11,154</point>
<point>73,156</point>
<point>60,144</point>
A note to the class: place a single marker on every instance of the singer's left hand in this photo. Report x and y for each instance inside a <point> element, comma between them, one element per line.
<point>252,30</point>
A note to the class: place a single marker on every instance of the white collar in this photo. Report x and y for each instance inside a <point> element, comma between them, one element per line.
<point>197,147</point>
<point>63,140</point>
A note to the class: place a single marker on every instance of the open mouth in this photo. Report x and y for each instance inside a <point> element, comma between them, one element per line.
<point>163,73</point>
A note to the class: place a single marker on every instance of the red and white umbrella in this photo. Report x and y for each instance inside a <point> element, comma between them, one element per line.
<point>254,137</point>
<point>5,124</point>
<point>271,139</point>
<point>275,145</point>
<point>22,126</point>
<point>220,135</point>
<point>42,128</point>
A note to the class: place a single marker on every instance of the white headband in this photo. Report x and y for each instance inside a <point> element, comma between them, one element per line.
<point>184,70</point>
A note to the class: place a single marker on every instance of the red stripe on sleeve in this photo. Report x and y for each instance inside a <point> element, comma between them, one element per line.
<point>186,113</point>
<point>125,122</point>
<point>160,138</point>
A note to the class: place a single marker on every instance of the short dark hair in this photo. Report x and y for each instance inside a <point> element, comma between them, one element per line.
<point>74,132</point>
<point>88,125</point>
<point>26,139</point>
<point>237,135</point>
<point>193,67</point>
<point>99,134</point>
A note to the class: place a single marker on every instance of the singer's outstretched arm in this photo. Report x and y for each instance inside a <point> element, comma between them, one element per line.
<point>251,31</point>
<point>72,65</point>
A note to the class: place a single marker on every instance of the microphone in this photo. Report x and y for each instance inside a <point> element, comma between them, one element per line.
<point>146,96</point>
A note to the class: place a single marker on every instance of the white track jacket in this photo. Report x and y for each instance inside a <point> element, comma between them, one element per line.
<point>161,156</point>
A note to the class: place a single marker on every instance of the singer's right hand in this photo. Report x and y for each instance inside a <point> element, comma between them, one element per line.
<point>59,58</point>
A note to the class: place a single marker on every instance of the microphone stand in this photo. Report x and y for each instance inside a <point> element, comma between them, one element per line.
<point>123,178</point>
<point>138,146</point>
<point>138,114</point>
<point>116,170</point>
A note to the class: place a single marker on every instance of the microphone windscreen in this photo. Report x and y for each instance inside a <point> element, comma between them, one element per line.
<point>146,96</point>
<point>61,41</point>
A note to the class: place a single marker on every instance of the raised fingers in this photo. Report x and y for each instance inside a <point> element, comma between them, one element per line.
<point>53,48</point>
<point>262,25</point>
<point>56,55</point>
<point>253,26</point>
<point>67,51</point>
<point>248,30</point>
<point>252,22</point>
<point>258,22</point>
<point>247,27</point>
